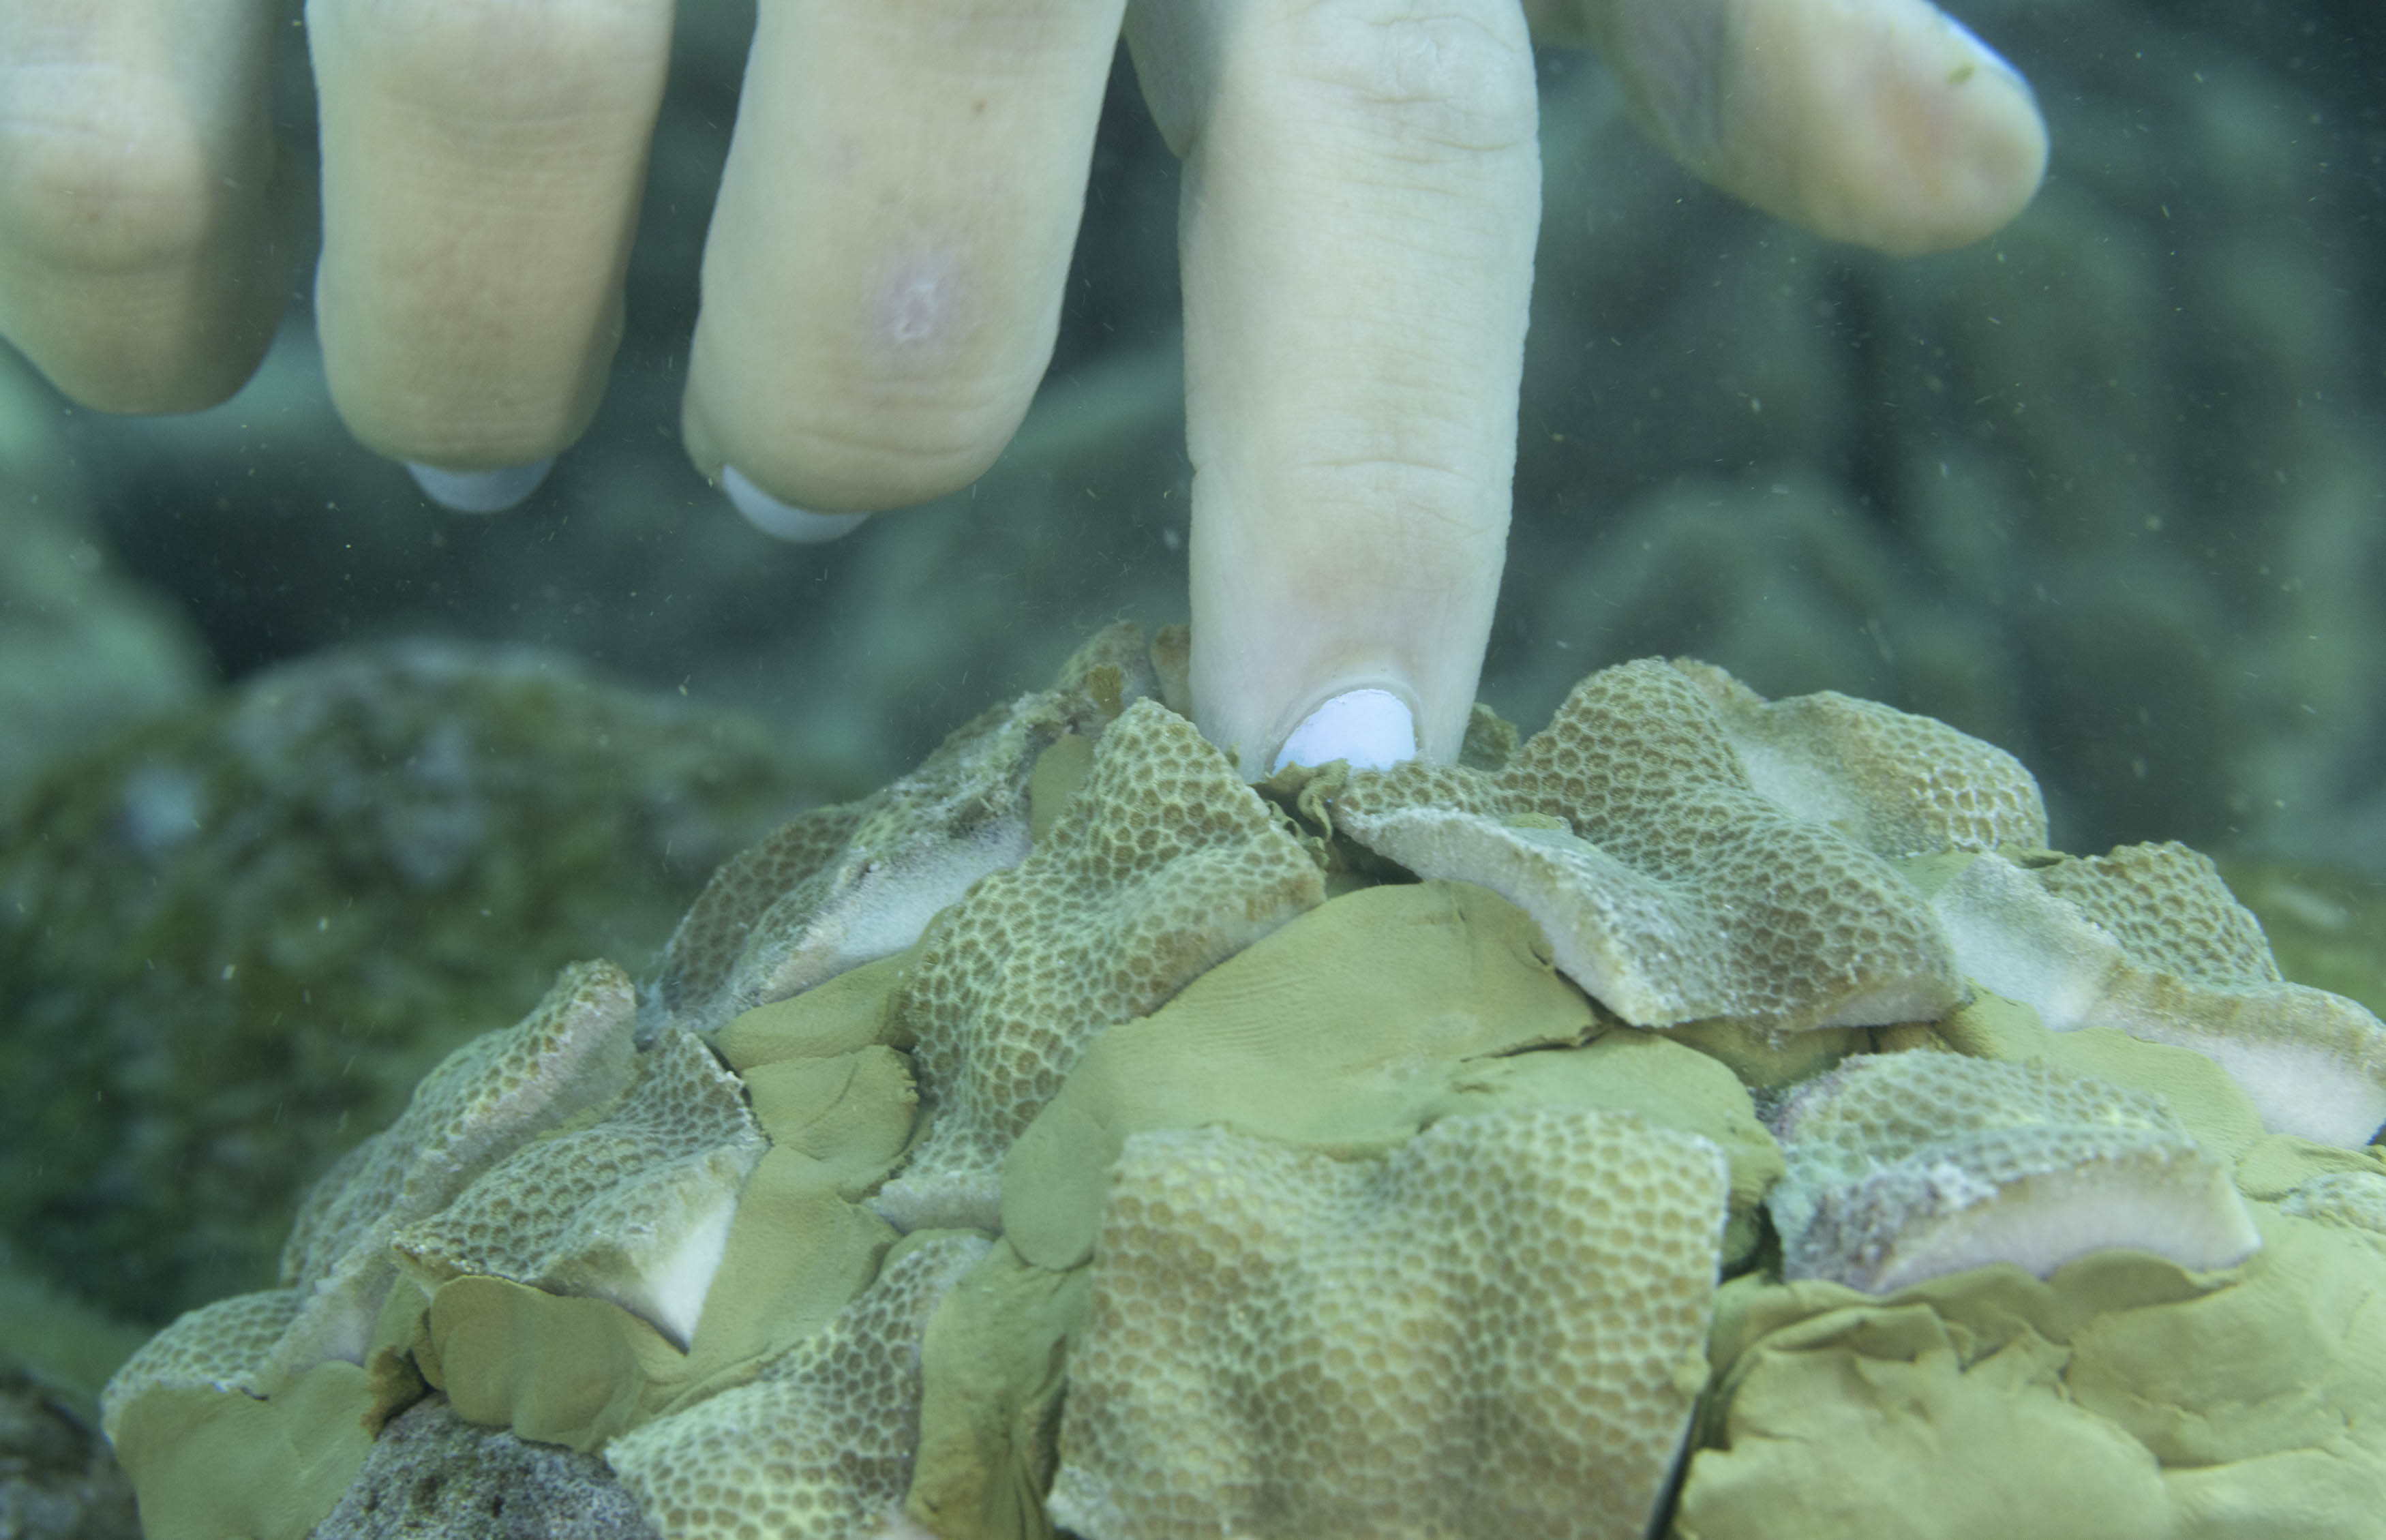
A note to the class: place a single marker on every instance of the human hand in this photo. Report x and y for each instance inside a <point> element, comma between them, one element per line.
<point>883,275</point>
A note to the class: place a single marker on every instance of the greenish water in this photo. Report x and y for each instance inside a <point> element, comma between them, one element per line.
<point>2107,490</point>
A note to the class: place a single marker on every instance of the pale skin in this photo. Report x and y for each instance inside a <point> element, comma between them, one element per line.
<point>883,276</point>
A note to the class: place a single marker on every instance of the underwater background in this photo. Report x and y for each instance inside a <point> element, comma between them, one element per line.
<point>303,780</point>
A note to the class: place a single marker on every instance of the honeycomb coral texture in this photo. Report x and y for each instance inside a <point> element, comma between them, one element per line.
<point>1703,895</point>
<point>1171,865</point>
<point>838,886</point>
<point>818,1446</point>
<point>1882,1108</point>
<point>1888,1151</point>
<point>1495,1331</point>
<point>788,868</point>
<point>614,1209</point>
<point>1900,783</point>
<point>2356,1199</point>
<point>481,1100</point>
<point>215,1346</point>
<point>2168,909</point>
<point>1493,1326</point>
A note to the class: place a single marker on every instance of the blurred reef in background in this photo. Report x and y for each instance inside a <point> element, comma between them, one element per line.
<point>304,780</point>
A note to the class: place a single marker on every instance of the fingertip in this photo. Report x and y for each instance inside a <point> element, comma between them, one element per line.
<point>1884,124</point>
<point>480,174</point>
<point>784,520</point>
<point>1996,149</point>
<point>1911,137</point>
<point>1373,729</point>
<point>1988,56</point>
<point>480,491</point>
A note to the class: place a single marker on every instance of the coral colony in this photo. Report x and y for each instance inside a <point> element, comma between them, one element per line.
<point>1712,1113</point>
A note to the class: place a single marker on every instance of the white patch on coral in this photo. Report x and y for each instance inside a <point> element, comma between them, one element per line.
<point>2313,1063</point>
<point>883,909</point>
<point>671,1292</point>
<point>2299,1088</point>
<point>898,1525</point>
<point>2193,1216</point>
<point>2015,938</point>
<point>1656,953</point>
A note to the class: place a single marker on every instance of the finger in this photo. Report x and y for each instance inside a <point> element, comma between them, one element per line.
<point>480,491</point>
<point>482,165</point>
<point>1362,190</point>
<point>1882,122</point>
<point>143,249</point>
<point>884,273</point>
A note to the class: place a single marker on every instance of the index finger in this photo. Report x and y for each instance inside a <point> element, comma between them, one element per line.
<point>1361,194</point>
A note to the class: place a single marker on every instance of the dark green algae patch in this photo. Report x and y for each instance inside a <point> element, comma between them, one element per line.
<point>232,941</point>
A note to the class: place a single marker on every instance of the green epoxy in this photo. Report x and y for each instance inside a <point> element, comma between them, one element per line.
<point>2123,1397</point>
<point>1339,1029</point>
<point>223,1465</point>
<point>991,1371</point>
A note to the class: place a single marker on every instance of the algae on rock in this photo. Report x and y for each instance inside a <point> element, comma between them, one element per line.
<point>231,942</point>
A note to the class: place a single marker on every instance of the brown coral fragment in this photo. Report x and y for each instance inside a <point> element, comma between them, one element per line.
<point>1695,853</point>
<point>840,887</point>
<point>818,1445</point>
<point>2148,939</point>
<point>1498,1329</point>
<point>1168,864</point>
<point>634,1209</point>
<point>1906,1167</point>
<point>483,1101</point>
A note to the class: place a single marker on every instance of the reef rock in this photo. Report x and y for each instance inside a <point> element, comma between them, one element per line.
<point>1072,1138</point>
<point>433,1476</point>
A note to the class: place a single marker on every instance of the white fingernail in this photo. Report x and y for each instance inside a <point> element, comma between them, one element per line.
<point>785,521</point>
<point>1373,729</point>
<point>479,491</point>
<point>1988,56</point>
